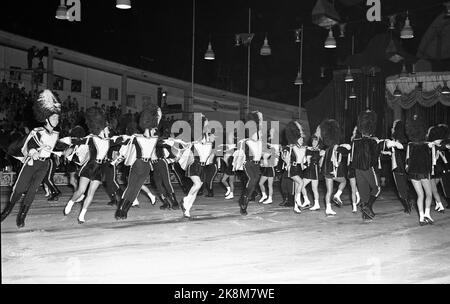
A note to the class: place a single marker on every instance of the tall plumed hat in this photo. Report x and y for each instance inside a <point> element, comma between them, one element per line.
<point>293,132</point>
<point>415,129</point>
<point>257,117</point>
<point>46,105</point>
<point>437,132</point>
<point>330,132</point>
<point>149,117</point>
<point>95,120</point>
<point>399,131</point>
<point>367,122</point>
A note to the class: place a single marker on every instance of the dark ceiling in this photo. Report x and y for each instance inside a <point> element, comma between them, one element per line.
<point>157,36</point>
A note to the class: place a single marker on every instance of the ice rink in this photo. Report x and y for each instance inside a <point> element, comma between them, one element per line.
<point>218,245</point>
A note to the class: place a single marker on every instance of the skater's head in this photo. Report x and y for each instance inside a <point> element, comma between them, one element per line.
<point>367,122</point>
<point>47,108</point>
<point>398,131</point>
<point>314,141</point>
<point>329,132</point>
<point>96,121</point>
<point>254,123</point>
<point>415,129</point>
<point>150,117</point>
<point>294,133</point>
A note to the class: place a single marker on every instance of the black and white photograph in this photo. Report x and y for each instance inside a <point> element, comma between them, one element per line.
<point>239,148</point>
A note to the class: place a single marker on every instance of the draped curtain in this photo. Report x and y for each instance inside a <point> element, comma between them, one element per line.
<point>425,100</point>
<point>422,88</point>
<point>370,94</point>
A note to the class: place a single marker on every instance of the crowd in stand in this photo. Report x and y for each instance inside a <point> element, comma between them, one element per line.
<point>16,118</point>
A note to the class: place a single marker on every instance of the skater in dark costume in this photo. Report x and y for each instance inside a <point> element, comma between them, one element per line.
<point>162,158</point>
<point>251,147</point>
<point>138,156</point>
<point>397,150</point>
<point>333,168</point>
<point>364,158</point>
<point>439,162</point>
<point>268,164</point>
<point>226,166</point>
<point>418,166</point>
<point>295,135</point>
<point>36,151</point>
<point>98,143</point>
<point>201,150</point>
<point>314,157</point>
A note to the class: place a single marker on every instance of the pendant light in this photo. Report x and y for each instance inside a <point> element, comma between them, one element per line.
<point>265,49</point>
<point>299,79</point>
<point>352,94</point>
<point>330,42</point>
<point>407,31</point>
<point>123,4</point>
<point>397,92</point>
<point>209,55</point>
<point>61,11</point>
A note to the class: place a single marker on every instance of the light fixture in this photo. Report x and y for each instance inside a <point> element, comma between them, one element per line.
<point>209,55</point>
<point>407,31</point>
<point>397,92</point>
<point>342,28</point>
<point>61,11</point>
<point>330,42</point>
<point>392,22</point>
<point>404,72</point>
<point>299,79</point>
<point>445,89</point>
<point>352,94</point>
<point>265,49</point>
<point>349,76</point>
<point>297,35</point>
<point>123,4</point>
<point>324,14</point>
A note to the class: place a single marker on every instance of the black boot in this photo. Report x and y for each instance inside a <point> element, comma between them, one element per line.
<point>370,205</point>
<point>406,206</point>
<point>54,196</point>
<point>210,192</point>
<point>9,207</point>
<point>113,201</point>
<point>285,200</point>
<point>22,215</point>
<point>120,215</point>
<point>243,202</point>
<point>166,202</point>
<point>173,199</point>
<point>366,214</point>
<point>290,201</point>
<point>126,207</point>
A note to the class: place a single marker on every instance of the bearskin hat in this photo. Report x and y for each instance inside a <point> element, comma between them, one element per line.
<point>330,132</point>
<point>437,132</point>
<point>415,129</point>
<point>46,105</point>
<point>257,117</point>
<point>367,122</point>
<point>149,117</point>
<point>399,131</point>
<point>77,131</point>
<point>293,132</point>
<point>95,120</point>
